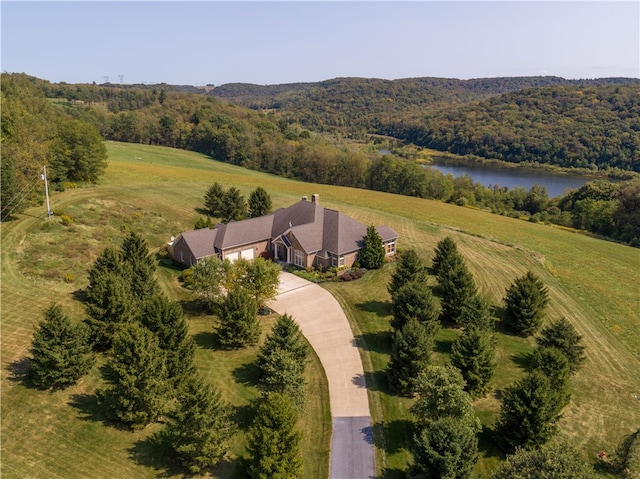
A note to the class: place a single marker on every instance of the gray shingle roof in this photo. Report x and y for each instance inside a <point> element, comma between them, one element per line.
<point>200,242</point>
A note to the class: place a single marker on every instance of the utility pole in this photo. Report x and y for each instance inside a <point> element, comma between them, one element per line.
<point>46,192</point>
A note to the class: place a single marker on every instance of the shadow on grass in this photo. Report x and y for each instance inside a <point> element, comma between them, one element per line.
<point>392,473</point>
<point>19,372</point>
<point>374,381</point>
<point>155,451</point>
<point>394,436</point>
<point>522,360</point>
<point>247,374</point>
<point>244,415</point>
<point>378,342</point>
<point>89,409</point>
<point>80,295</point>
<point>207,340</point>
<point>487,445</point>
<point>379,308</point>
<point>443,346</point>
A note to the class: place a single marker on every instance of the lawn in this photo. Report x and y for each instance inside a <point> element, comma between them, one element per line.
<point>157,191</point>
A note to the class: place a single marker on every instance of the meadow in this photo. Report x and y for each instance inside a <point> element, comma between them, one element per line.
<point>156,191</point>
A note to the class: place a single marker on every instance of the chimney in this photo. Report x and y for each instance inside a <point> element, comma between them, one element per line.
<point>315,198</point>
<point>305,198</point>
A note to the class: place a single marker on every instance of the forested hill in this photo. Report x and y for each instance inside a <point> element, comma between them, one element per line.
<point>583,123</point>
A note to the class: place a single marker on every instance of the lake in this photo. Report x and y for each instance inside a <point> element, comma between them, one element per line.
<point>556,184</point>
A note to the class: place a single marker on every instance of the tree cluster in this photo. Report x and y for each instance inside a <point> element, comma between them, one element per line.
<point>35,133</point>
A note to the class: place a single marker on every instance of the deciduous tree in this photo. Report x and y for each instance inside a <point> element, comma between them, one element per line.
<point>260,277</point>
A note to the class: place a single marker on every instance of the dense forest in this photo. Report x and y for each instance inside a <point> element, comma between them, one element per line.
<point>60,125</point>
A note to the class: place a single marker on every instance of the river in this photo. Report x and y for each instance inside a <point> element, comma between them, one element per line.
<point>488,175</point>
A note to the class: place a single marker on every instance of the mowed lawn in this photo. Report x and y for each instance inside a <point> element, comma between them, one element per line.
<point>156,191</point>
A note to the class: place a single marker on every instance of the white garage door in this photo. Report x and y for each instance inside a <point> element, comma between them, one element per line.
<point>247,253</point>
<point>232,256</point>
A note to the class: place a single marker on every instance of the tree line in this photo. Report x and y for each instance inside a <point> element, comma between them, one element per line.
<point>445,443</point>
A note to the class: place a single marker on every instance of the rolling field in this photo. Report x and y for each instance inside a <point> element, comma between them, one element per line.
<point>593,283</point>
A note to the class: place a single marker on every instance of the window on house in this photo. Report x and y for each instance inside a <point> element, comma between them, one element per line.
<point>298,258</point>
<point>341,261</point>
<point>391,247</point>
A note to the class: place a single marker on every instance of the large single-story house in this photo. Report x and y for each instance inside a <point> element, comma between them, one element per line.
<point>305,234</point>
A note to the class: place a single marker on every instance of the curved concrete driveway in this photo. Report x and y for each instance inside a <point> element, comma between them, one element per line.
<point>327,329</point>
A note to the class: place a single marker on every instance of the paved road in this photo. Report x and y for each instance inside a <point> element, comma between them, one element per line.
<point>327,329</point>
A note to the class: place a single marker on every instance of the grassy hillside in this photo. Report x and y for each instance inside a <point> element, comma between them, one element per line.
<point>156,190</point>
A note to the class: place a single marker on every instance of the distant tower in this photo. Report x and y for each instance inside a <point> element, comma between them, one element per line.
<point>121,76</point>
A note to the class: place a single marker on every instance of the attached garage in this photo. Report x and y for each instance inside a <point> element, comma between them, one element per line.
<point>232,256</point>
<point>247,253</point>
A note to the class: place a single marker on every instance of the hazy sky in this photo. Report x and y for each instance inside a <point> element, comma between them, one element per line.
<point>280,42</point>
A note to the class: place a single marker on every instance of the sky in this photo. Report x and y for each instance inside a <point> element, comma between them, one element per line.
<point>264,42</point>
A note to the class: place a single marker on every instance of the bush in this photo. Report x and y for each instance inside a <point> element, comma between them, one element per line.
<point>346,277</point>
<point>186,276</point>
<point>66,220</point>
<point>69,278</point>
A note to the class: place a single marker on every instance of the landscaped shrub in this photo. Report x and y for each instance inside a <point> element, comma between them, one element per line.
<point>346,277</point>
<point>186,276</point>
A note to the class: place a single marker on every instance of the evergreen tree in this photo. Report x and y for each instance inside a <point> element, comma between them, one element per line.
<point>135,253</point>
<point>410,355</point>
<point>166,319</point>
<point>286,335</point>
<point>473,353</point>
<point>562,335</point>
<point>458,290</point>
<point>446,249</point>
<point>282,373</point>
<point>139,390</point>
<point>274,441</point>
<point>410,268</point>
<point>414,300</point>
<point>476,313</point>
<point>525,302</point>
<point>110,305</point>
<point>202,223</point>
<point>201,427</point>
<point>259,202</point>
<point>554,460</point>
<point>239,326</point>
<point>372,253</point>
<point>446,449</point>
<point>234,207</point>
<point>60,351</point>
<point>214,200</point>
<point>529,413</point>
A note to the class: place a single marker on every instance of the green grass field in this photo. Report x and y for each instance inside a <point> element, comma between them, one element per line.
<point>156,191</point>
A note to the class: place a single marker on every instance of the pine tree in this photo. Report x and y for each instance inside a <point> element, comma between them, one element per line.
<point>410,355</point>
<point>200,428</point>
<point>234,207</point>
<point>410,268</point>
<point>239,326</point>
<point>274,441</point>
<point>562,335</point>
<point>139,390</point>
<point>135,253</point>
<point>214,200</point>
<point>110,305</point>
<point>446,449</point>
<point>446,249</point>
<point>286,335</point>
<point>476,312</point>
<point>259,202</point>
<point>166,319</point>
<point>473,353</point>
<point>60,351</point>
<point>525,303</point>
<point>458,289</point>
<point>414,300</point>
<point>282,373</point>
<point>529,413</point>
<point>372,253</point>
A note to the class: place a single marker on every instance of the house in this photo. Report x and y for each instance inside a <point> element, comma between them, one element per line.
<point>305,234</point>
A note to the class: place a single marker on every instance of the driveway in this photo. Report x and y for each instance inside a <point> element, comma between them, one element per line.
<point>327,329</point>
